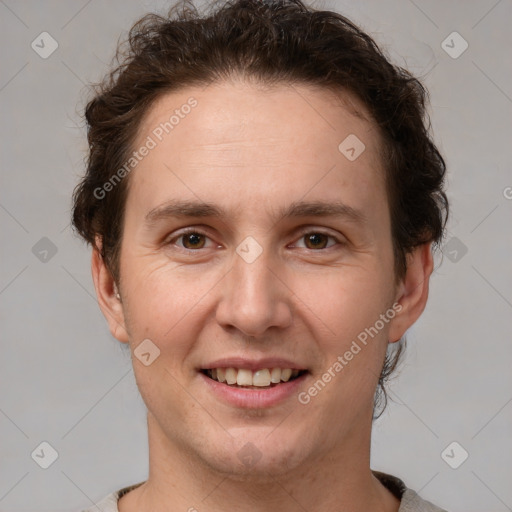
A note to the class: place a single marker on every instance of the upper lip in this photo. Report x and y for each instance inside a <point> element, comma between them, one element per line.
<point>253,364</point>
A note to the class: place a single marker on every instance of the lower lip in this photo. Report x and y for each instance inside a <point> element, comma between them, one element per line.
<point>251,398</point>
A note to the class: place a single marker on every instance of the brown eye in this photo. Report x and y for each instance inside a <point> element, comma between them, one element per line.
<point>316,240</point>
<point>193,240</point>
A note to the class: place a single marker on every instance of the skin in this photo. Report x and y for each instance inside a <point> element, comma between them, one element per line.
<point>253,150</point>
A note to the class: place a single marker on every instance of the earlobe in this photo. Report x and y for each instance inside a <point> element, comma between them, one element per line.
<point>412,292</point>
<point>108,296</point>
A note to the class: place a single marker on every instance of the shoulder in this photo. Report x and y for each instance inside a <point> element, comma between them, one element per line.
<point>109,503</point>
<point>410,500</point>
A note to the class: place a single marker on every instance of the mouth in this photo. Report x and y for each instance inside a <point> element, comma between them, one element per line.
<point>260,379</point>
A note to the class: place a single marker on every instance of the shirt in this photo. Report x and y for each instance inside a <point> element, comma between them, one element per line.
<point>410,501</point>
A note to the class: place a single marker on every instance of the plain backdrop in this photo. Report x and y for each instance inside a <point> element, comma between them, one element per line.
<point>65,381</point>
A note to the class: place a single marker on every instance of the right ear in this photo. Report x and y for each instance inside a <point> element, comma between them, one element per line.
<point>106,291</point>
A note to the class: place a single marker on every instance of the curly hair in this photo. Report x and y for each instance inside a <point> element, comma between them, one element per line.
<point>273,42</point>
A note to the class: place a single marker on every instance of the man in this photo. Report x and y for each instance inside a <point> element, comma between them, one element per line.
<point>262,197</point>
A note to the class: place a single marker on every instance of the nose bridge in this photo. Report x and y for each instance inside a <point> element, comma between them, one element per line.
<point>254,299</point>
<point>251,278</point>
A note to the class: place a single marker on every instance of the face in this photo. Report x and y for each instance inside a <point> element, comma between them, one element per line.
<point>254,248</point>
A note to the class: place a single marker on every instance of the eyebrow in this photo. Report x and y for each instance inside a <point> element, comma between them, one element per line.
<point>199,209</point>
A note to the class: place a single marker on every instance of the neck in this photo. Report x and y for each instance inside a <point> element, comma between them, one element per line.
<point>338,480</point>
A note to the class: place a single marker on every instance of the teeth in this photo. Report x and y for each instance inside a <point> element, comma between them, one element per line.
<point>286,374</point>
<point>244,378</point>
<point>260,378</point>
<point>231,374</point>
<point>275,375</point>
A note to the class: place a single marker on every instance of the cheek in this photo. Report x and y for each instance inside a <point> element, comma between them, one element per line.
<point>163,294</point>
<point>350,334</point>
<point>164,395</point>
<point>346,301</point>
<point>163,307</point>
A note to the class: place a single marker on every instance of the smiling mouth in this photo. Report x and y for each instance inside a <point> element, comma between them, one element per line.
<point>264,378</point>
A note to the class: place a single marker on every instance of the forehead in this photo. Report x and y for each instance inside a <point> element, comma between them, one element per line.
<point>237,106</point>
<point>232,138</point>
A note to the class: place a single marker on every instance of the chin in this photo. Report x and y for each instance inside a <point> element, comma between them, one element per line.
<point>256,454</point>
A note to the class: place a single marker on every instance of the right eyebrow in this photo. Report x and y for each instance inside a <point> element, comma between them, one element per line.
<point>182,209</point>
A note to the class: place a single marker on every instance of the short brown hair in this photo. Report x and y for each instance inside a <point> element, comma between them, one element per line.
<point>273,41</point>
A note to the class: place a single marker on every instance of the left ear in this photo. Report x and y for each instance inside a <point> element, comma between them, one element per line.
<point>412,292</point>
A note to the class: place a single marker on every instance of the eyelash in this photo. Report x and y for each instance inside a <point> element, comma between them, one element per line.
<point>302,235</point>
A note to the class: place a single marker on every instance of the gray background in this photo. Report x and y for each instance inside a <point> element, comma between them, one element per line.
<point>64,380</point>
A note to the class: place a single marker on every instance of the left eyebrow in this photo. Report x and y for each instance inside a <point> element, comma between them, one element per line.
<point>322,209</point>
<point>190,209</point>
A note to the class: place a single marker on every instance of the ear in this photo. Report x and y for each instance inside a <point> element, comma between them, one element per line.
<point>106,292</point>
<point>412,292</point>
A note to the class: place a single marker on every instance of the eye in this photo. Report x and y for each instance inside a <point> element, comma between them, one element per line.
<point>190,240</point>
<point>194,240</point>
<point>315,240</point>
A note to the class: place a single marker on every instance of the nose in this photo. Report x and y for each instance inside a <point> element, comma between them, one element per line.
<point>254,297</point>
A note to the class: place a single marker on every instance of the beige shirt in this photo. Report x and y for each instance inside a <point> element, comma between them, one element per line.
<point>410,501</point>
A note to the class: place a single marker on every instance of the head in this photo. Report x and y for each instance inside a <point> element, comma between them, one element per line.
<point>247,122</point>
